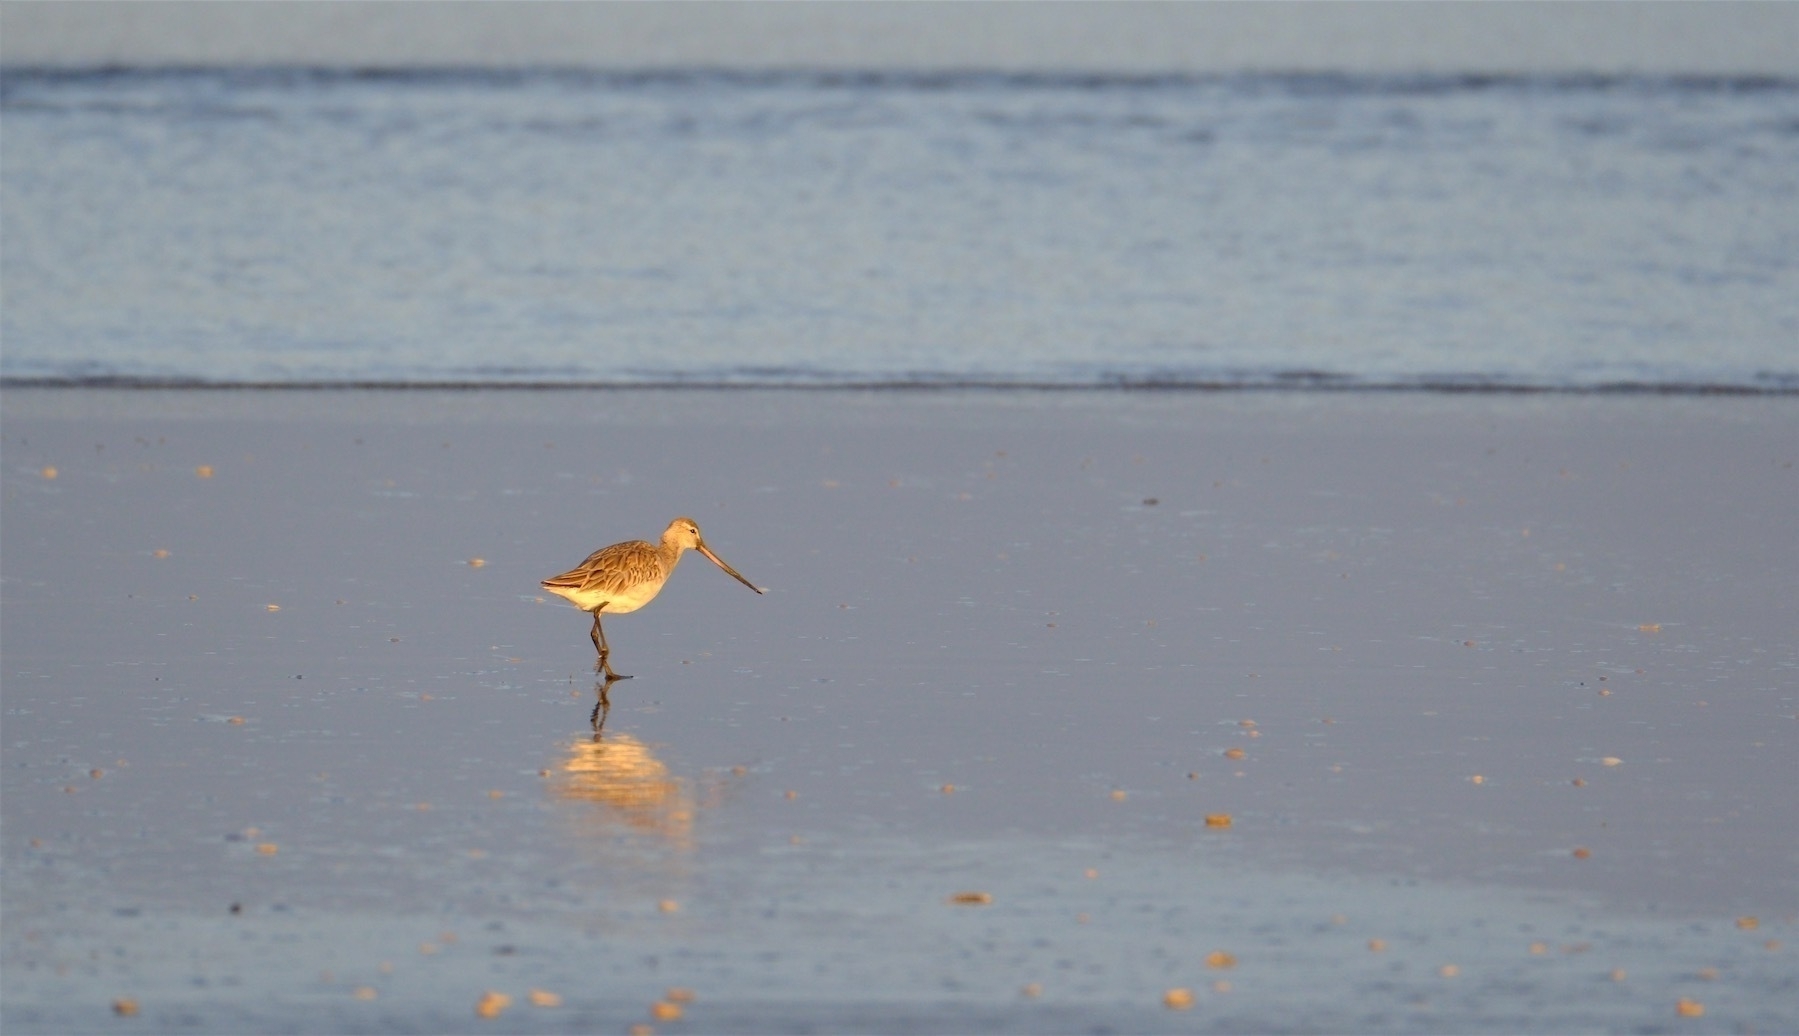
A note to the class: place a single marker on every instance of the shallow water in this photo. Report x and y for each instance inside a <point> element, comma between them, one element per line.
<point>797,228</point>
<point>986,662</point>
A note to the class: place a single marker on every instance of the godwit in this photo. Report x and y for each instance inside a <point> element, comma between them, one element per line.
<point>626,576</point>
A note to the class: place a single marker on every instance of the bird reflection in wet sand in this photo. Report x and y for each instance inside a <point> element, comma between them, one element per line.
<point>603,707</point>
<point>615,785</point>
<point>633,788</point>
<point>626,576</point>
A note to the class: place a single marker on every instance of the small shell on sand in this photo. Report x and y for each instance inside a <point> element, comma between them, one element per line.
<point>491,1004</point>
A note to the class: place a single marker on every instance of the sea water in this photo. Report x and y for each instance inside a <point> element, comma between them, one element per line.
<point>291,226</point>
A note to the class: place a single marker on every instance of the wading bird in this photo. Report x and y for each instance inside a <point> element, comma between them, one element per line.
<point>626,576</point>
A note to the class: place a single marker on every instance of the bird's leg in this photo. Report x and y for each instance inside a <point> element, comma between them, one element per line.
<point>598,636</point>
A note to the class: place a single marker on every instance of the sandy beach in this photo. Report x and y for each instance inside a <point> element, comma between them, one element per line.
<point>1339,711</point>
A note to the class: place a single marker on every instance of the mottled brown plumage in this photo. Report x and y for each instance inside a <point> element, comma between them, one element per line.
<point>626,576</point>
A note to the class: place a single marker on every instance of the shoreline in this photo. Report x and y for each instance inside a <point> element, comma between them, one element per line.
<point>1304,382</point>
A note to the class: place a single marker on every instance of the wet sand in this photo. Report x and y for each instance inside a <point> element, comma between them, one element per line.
<point>1388,712</point>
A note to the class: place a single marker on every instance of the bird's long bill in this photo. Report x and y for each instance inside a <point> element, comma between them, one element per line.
<point>714,558</point>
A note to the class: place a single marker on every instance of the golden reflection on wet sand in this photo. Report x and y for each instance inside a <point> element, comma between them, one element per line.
<point>630,789</point>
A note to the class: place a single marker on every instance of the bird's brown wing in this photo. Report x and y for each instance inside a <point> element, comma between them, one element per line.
<point>611,569</point>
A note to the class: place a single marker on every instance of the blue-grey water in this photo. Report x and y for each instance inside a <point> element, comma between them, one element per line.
<point>291,226</point>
